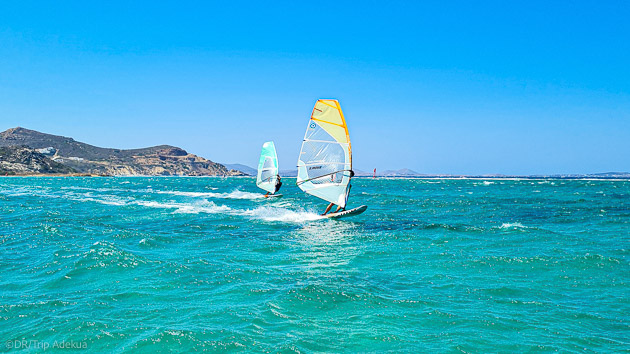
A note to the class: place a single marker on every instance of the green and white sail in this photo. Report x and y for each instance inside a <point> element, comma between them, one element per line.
<point>325,159</point>
<point>267,168</point>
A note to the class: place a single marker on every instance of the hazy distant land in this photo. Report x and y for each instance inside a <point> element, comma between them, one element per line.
<point>407,173</point>
<point>29,152</point>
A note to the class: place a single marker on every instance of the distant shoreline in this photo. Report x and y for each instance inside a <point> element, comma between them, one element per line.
<point>507,178</point>
<point>511,178</point>
<point>585,177</point>
<point>111,176</point>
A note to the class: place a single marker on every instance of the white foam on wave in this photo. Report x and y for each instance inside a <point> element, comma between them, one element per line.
<point>100,198</point>
<point>187,194</point>
<point>236,194</point>
<point>483,183</point>
<point>106,201</point>
<point>196,208</point>
<point>203,206</point>
<point>267,213</point>
<point>512,225</point>
<point>145,191</point>
<point>17,192</point>
<point>103,189</point>
<point>280,212</point>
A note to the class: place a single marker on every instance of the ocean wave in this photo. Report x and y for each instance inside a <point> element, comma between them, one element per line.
<point>98,189</point>
<point>106,201</point>
<point>460,228</point>
<point>70,192</point>
<point>105,254</point>
<point>484,183</point>
<point>513,225</point>
<point>239,195</point>
<point>185,341</point>
<point>236,194</point>
<point>203,207</point>
<point>187,194</point>
<point>143,190</point>
<point>516,259</point>
<point>576,261</point>
<point>267,213</point>
<point>25,191</point>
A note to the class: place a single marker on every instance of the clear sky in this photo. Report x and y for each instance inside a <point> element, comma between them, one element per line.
<point>439,87</point>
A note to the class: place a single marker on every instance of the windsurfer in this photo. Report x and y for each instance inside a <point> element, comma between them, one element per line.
<point>278,185</point>
<point>339,208</point>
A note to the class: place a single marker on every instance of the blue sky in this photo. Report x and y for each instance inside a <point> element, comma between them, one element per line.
<point>439,87</point>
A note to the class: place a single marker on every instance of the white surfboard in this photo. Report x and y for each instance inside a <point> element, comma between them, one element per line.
<point>273,196</point>
<point>346,213</point>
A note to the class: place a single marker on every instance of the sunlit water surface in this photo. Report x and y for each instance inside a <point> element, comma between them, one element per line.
<point>186,264</point>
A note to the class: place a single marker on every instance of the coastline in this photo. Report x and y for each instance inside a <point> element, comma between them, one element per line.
<point>507,178</point>
<point>56,175</point>
<point>493,178</point>
<point>114,176</point>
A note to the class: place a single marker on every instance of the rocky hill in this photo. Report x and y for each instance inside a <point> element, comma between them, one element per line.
<point>20,160</point>
<point>162,160</point>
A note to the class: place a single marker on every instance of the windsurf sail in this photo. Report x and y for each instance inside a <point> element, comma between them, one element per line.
<point>325,161</point>
<point>267,168</point>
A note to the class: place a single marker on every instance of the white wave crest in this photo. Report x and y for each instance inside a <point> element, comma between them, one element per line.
<point>267,213</point>
<point>188,194</point>
<point>205,207</point>
<point>106,201</point>
<point>512,225</point>
<point>98,189</point>
<point>236,194</point>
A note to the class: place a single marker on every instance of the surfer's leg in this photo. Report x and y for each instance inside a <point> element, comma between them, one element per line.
<point>328,208</point>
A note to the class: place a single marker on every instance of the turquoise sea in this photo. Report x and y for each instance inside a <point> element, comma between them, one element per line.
<point>184,264</point>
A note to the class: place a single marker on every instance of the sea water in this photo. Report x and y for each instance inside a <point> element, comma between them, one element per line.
<point>181,264</point>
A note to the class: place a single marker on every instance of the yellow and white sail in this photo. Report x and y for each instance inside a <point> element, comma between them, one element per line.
<point>325,159</point>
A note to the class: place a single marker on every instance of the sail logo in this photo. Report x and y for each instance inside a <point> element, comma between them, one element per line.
<point>312,125</point>
<point>315,168</point>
